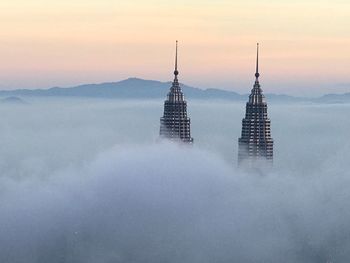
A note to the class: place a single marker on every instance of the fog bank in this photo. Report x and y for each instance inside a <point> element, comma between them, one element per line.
<point>82,182</point>
<point>165,203</point>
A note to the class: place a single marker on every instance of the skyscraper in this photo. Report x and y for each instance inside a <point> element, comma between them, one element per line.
<point>256,142</point>
<point>175,124</point>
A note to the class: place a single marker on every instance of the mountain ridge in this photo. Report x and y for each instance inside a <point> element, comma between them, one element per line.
<point>137,88</point>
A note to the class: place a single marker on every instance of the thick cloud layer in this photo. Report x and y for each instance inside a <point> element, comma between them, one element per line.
<point>165,203</point>
<point>147,202</point>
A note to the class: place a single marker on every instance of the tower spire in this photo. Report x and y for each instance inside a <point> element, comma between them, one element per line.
<point>176,72</point>
<point>257,75</point>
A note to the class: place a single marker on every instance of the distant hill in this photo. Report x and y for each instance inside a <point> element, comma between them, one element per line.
<point>135,88</point>
<point>334,98</point>
<point>12,100</point>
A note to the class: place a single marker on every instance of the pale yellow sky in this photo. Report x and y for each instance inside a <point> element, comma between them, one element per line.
<point>304,44</point>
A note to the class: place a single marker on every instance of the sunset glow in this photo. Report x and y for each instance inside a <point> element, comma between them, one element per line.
<point>304,44</point>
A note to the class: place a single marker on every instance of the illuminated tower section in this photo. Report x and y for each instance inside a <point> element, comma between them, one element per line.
<point>175,124</point>
<point>256,141</point>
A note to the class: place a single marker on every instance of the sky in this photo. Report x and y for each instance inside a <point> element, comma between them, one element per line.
<point>304,44</point>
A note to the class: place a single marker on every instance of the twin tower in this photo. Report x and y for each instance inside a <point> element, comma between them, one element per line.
<point>255,143</point>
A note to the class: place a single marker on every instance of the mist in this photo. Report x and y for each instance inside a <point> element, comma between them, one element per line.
<point>87,181</point>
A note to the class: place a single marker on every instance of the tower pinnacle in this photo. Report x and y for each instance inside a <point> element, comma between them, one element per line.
<point>176,72</point>
<point>257,75</point>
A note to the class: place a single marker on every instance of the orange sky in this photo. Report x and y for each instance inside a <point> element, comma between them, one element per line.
<point>304,44</point>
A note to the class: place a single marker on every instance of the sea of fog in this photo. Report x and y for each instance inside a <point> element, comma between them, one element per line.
<point>86,180</point>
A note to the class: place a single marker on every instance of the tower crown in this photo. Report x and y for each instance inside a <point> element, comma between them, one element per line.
<point>256,95</point>
<point>175,93</point>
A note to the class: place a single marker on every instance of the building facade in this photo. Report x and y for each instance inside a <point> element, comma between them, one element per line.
<point>256,142</point>
<point>175,124</point>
